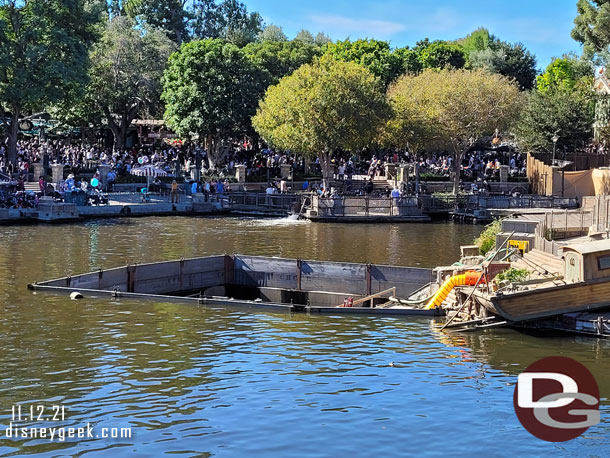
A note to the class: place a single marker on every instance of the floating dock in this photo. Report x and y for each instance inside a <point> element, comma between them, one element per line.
<point>289,285</point>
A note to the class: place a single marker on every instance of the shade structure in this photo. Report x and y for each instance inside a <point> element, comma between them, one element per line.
<point>148,171</point>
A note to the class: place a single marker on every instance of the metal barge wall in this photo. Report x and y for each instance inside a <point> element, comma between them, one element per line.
<point>271,275</point>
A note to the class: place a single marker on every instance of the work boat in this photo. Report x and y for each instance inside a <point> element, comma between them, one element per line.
<point>584,285</point>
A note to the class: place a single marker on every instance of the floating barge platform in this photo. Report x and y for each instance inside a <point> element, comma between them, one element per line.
<point>289,285</point>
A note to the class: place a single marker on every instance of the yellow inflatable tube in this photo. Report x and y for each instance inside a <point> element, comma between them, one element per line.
<point>445,289</point>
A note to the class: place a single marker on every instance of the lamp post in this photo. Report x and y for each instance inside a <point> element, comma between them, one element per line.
<point>554,138</point>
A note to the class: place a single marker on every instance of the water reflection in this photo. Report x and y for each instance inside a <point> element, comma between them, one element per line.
<point>200,382</point>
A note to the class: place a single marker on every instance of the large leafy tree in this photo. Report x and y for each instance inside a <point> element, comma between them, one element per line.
<point>484,50</point>
<point>305,36</point>
<point>211,89</point>
<point>321,39</point>
<point>560,111</point>
<point>272,32</point>
<point>409,60</point>
<point>229,20</point>
<point>321,108</point>
<point>566,73</point>
<point>374,55</point>
<point>591,27</point>
<point>478,40</point>
<point>128,64</point>
<point>281,58</point>
<point>452,109</point>
<point>441,54</point>
<point>562,104</point>
<point>512,60</point>
<point>43,54</point>
<point>171,16</point>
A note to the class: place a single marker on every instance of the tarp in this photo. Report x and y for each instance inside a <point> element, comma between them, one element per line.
<point>574,184</point>
<point>601,181</point>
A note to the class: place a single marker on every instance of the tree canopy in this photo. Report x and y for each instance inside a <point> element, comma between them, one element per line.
<point>451,109</point>
<point>478,40</point>
<point>126,73</point>
<point>281,58</point>
<point>321,108</point>
<point>560,111</point>
<point>170,16</point>
<point>442,54</point>
<point>43,54</point>
<point>305,36</point>
<point>374,55</point>
<point>211,89</point>
<point>563,104</point>
<point>511,60</point>
<point>272,32</point>
<point>565,72</point>
<point>591,27</point>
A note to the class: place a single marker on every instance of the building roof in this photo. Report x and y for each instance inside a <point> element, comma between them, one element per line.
<point>597,246</point>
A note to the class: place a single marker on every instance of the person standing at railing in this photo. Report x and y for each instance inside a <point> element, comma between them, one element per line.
<point>174,192</point>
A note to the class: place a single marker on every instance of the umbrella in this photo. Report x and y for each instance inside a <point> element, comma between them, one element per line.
<point>148,171</point>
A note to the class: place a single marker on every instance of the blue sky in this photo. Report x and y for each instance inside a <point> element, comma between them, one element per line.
<point>543,26</point>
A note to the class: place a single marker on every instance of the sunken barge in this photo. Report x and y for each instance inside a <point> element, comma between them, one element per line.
<point>277,284</point>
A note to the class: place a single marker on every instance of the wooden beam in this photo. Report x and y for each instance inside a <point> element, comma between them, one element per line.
<point>373,296</point>
<point>131,278</point>
<point>229,269</point>
<point>299,264</point>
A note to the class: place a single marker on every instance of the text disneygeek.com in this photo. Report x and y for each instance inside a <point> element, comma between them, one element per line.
<point>60,434</point>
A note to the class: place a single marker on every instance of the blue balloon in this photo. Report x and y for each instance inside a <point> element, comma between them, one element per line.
<point>94,182</point>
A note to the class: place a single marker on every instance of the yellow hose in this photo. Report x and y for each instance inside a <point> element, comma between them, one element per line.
<point>445,289</point>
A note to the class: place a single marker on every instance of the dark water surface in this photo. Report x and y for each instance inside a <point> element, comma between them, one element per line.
<point>211,382</point>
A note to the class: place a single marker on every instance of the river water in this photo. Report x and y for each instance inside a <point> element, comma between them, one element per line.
<point>201,382</point>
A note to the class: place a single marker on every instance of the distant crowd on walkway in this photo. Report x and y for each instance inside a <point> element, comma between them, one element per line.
<point>262,164</point>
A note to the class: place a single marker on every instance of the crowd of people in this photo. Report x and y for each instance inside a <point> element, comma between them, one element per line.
<point>261,164</point>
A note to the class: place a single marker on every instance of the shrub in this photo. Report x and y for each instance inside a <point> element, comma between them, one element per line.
<point>513,275</point>
<point>487,240</point>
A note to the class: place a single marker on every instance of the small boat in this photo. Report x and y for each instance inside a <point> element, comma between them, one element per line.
<point>584,286</point>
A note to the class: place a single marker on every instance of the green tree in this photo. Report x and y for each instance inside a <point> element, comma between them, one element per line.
<point>454,108</point>
<point>228,20</point>
<point>321,108</point>
<point>511,60</point>
<point>591,27</point>
<point>44,54</point>
<point>210,89</point>
<point>565,72</point>
<point>441,54</point>
<point>171,16</point>
<point>409,59</point>
<point>281,58</point>
<point>272,32</point>
<point>479,40</point>
<point>305,36</point>
<point>374,55</point>
<point>321,39</point>
<point>568,113</point>
<point>126,73</point>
